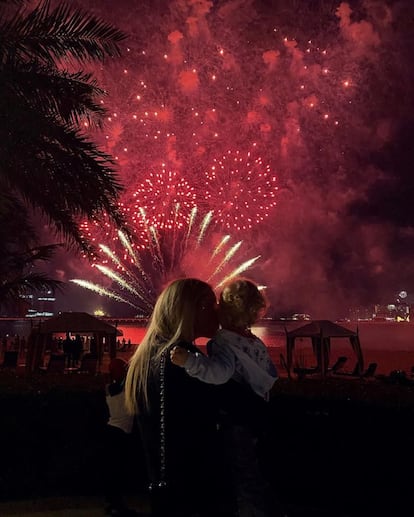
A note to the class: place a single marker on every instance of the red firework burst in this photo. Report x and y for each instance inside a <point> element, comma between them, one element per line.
<point>98,231</point>
<point>164,200</point>
<point>103,231</point>
<point>240,189</point>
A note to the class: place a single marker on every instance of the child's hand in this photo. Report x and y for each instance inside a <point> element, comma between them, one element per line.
<point>179,355</point>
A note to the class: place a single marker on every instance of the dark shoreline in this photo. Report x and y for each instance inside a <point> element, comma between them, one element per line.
<point>334,447</point>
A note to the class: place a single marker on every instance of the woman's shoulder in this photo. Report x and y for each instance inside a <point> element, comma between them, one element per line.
<point>163,350</point>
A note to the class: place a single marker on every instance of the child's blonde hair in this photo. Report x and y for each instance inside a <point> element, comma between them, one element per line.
<point>241,303</point>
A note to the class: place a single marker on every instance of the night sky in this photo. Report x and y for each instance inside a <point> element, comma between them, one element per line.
<point>321,95</point>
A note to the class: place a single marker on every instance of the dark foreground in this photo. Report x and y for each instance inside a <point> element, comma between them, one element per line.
<point>334,448</point>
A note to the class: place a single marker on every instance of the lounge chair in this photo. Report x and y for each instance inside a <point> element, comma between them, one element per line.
<point>284,365</point>
<point>301,372</point>
<point>339,364</point>
<point>356,372</point>
<point>370,371</point>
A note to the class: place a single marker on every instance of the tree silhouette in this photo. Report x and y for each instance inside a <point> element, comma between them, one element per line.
<point>46,161</point>
<point>48,167</point>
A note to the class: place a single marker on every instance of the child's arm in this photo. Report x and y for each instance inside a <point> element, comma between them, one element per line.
<point>254,364</point>
<point>216,369</point>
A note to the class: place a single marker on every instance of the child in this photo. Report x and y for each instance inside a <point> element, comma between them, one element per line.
<point>240,360</point>
<point>235,352</point>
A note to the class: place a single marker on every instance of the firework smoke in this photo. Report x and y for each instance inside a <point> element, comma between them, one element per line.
<point>323,89</point>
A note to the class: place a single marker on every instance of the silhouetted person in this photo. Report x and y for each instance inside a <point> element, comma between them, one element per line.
<point>68,348</point>
<point>77,349</point>
<point>93,347</point>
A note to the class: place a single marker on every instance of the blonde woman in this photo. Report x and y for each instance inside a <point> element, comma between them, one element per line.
<point>178,414</point>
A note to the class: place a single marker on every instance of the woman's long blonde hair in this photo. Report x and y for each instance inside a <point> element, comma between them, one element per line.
<point>172,320</point>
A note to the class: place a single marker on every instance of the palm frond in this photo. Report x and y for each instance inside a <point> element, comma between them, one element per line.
<point>46,161</point>
<point>44,252</point>
<point>70,96</point>
<point>47,35</point>
<point>16,287</point>
<point>15,225</point>
<point>43,149</point>
<point>17,275</point>
<point>12,2</point>
<point>38,153</point>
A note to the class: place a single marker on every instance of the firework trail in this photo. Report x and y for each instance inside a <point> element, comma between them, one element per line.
<point>190,226</point>
<point>204,225</point>
<point>239,269</point>
<point>102,291</point>
<point>111,255</point>
<point>117,278</point>
<point>139,275</point>
<point>219,246</point>
<point>118,262</point>
<point>230,253</point>
<point>132,285</point>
